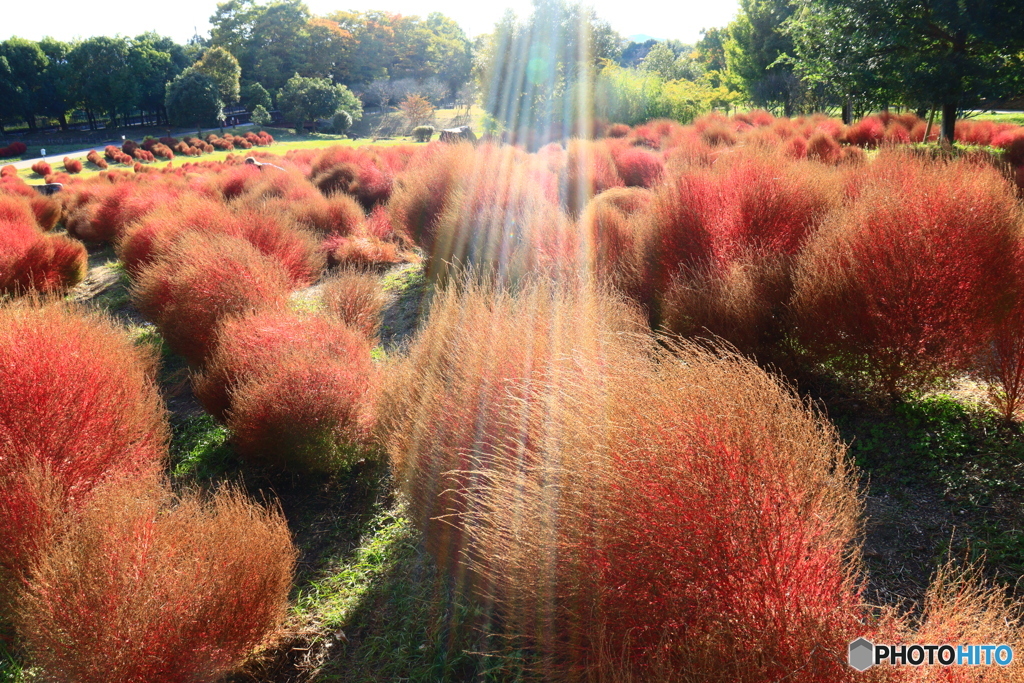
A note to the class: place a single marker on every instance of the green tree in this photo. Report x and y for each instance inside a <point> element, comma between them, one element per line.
<point>221,67</point>
<point>537,76</point>
<point>303,99</point>
<point>758,38</point>
<point>59,92</point>
<point>105,75</point>
<point>193,99</point>
<point>257,96</point>
<point>10,93</point>
<point>26,64</point>
<point>260,116</point>
<point>155,60</point>
<point>269,41</point>
<point>660,60</point>
<point>947,53</point>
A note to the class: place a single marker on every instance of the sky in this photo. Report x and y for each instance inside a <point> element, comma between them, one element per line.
<point>180,19</point>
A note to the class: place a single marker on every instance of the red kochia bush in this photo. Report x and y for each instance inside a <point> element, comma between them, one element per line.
<point>637,167</point>
<point>32,260</point>
<point>149,587</point>
<point>252,343</point>
<point>72,165</point>
<point>42,168</point>
<point>709,508</point>
<point>868,132</point>
<point>47,210</point>
<point>154,233</point>
<point>905,284</point>
<point>77,405</point>
<point>355,298</point>
<point>306,411</point>
<point>8,171</point>
<point>94,158</point>
<point>13,150</point>
<point>202,279</point>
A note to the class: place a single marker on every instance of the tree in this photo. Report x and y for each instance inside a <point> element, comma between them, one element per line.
<point>416,109</point>
<point>635,53</point>
<point>155,60</point>
<point>257,96</point>
<point>260,116</point>
<point>302,99</point>
<point>58,94</point>
<point>10,93</point>
<point>449,52</point>
<point>951,54</point>
<point>757,40</point>
<point>221,67</point>
<point>193,99</point>
<point>269,41</point>
<point>537,76</point>
<point>104,72</point>
<point>26,64</point>
<point>329,50</point>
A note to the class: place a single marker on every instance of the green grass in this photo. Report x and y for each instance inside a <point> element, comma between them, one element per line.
<point>1016,118</point>
<point>402,619</point>
<point>200,450</point>
<point>11,669</point>
<point>958,452</point>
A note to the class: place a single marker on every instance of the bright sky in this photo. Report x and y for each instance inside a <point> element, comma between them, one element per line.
<point>179,19</point>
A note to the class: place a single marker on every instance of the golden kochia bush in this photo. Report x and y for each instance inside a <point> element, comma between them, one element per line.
<point>146,586</point>
<point>355,298</point>
<point>77,406</point>
<point>686,517</point>
<point>459,396</point>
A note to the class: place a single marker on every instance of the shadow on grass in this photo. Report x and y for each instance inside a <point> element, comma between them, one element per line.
<point>944,478</point>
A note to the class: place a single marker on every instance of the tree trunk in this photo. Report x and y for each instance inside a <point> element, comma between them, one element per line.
<point>928,128</point>
<point>64,122</point>
<point>847,112</point>
<point>92,121</point>
<point>31,121</point>
<point>949,122</point>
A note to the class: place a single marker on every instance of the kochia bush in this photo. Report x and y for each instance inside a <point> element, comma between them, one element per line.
<point>682,502</point>
<point>77,406</point>
<point>199,281</point>
<point>906,283</point>
<point>148,587</point>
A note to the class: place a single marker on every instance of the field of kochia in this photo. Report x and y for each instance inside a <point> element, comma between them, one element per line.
<point>596,418</point>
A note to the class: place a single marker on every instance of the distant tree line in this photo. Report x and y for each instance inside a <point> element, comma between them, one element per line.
<point>253,54</point>
<point>856,56</point>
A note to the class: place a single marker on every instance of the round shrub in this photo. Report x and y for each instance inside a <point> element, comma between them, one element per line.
<point>250,344</point>
<point>149,587</point>
<point>33,260</point>
<point>202,279</point>
<point>903,286</point>
<point>461,393</point>
<point>355,298</point>
<point>682,502</point>
<point>77,405</point>
<point>306,412</point>
<point>341,122</point>
<point>423,133</point>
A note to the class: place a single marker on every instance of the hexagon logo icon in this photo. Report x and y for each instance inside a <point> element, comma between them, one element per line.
<point>862,654</point>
